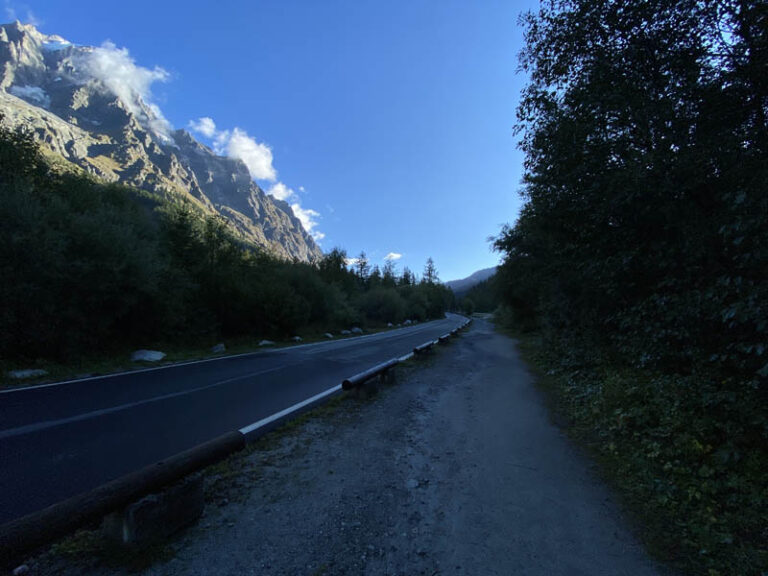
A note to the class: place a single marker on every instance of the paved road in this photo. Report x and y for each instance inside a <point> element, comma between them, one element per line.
<point>60,440</point>
<point>455,470</point>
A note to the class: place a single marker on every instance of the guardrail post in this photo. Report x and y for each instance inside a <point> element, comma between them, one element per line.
<point>23,535</point>
<point>426,347</point>
<point>158,515</point>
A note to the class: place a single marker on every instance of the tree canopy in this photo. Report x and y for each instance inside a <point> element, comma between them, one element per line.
<point>88,268</point>
<point>643,243</point>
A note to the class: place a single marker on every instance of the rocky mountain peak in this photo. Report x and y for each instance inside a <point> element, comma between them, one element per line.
<point>69,97</point>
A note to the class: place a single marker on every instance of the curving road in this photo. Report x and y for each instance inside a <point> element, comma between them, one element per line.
<point>58,440</point>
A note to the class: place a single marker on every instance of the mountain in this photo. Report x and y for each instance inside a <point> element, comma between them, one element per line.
<point>461,286</point>
<point>76,107</point>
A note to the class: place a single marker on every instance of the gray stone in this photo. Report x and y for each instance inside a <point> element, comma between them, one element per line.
<point>357,330</point>
<point>346,332</point>
<point>296,338</point>
<point>21,570</point>
<point>389,324</point>
<point>24,374</point>
<point>219,348</point>
<point>266,343</point>
<point>157,516</point>
<point>328,335</point>
<point>147,356</point>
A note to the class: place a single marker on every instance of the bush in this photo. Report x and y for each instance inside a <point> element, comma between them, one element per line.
<point>642,251</point>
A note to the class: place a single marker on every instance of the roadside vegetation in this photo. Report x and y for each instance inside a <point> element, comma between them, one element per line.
<point>89,270</point>
<point>483,297</point>
<point>637,270</point>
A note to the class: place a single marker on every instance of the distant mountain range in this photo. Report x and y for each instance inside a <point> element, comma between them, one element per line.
<point>63,93</point>
<point>463,285</point>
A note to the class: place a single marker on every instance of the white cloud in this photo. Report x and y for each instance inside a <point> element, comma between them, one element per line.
<point>392,256</point>
<point>281,192</point>
<point>11,14</point>
<point>351,261</point>
<point>307,217</point>
<point>33,93</point>
<point>205,126</point>
<point>118,71</point>
<point>258,158</point>
<point>236,143</point>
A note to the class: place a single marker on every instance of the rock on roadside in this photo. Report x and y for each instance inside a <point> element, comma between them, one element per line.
<point>147,356</point>
<point>25,374</point>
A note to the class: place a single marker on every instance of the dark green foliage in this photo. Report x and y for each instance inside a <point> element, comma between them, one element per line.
<point>643,242</point>
<point>78,262</point>
<point>468,306</point>
<point>701,505</point>
<point>382,305</point>
<point>88,268</point>
<point>484,296</point>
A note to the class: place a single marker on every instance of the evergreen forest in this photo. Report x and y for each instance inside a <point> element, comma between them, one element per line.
<point>90,269</point>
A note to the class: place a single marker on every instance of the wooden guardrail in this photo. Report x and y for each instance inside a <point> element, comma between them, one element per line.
<point>28,533</point>
<point>379,369</point>
<point>25,534</point>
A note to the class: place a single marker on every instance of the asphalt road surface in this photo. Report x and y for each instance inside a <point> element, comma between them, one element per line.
<point>57,441</point>
<point>453,470</point>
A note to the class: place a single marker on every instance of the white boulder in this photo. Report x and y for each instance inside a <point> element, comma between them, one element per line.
<point>24,374</point>
<point>147,356</point>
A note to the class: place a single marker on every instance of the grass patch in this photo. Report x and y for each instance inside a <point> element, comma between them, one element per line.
<point>105,164</point>
<point>698,494</point>
<point>97,550</point>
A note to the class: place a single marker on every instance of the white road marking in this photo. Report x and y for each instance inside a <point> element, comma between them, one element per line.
<point>277,415</point>
<point>37,426</point>
<point>383,335</point>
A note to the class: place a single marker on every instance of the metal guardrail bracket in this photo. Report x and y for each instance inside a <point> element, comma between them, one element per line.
<point>357,379</point>
<point>423,348</point>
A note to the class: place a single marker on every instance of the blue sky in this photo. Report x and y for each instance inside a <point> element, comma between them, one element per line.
<point>392,120</point>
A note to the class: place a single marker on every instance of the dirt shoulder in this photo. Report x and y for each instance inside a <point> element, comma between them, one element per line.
<point>455,469</point>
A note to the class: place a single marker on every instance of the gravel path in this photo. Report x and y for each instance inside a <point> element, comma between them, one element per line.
<point>456,470</point>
